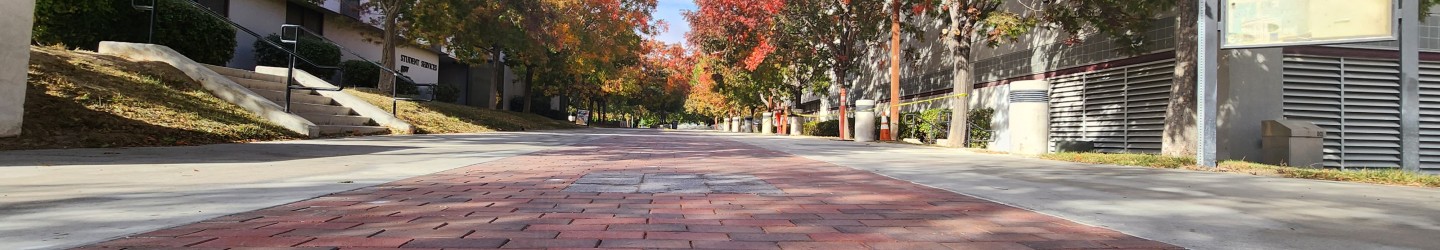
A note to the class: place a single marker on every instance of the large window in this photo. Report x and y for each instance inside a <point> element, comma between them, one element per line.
<point>219,6</point>
<point>351,8</point>
<point>305,17</point>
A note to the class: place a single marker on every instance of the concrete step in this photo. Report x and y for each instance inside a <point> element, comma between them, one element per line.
<point>253,84</point>
<point>297,96</point>
<point>352,130</point>
<point>240,73</point>
<point>307,108</point>
<point>348,120</point>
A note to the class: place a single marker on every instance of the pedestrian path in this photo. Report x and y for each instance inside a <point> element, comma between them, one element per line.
<point>1193,209</point>
<point>642,191</point>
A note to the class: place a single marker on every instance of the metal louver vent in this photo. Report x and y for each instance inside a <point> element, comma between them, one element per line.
<point>1430,116</point>
<point>1119,109</point>
<point>1357,102</point>
<point>1018,96</point>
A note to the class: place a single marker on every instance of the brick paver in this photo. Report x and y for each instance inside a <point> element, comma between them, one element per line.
<point>521,202</point>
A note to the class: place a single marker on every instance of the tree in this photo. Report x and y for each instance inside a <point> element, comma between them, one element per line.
<point>390,12</point>
<point>781,44</point>
<point>587,39</point>
<point>968,22</point>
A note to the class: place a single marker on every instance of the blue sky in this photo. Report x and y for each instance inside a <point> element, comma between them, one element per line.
<point>669,10</point>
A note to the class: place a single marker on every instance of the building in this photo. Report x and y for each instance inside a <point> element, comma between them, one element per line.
<point>1118,101</point>
<point>354,29</point>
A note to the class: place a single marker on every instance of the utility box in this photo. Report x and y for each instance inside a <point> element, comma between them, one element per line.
<point>1292,143</point>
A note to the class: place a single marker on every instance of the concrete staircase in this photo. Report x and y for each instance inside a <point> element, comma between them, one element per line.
<point>329,116</point>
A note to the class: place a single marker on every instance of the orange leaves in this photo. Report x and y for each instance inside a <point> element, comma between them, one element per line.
<point>758,54</point>
<point>739,28</point>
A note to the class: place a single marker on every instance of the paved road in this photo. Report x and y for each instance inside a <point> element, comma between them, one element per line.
<point>644,190</point>
<point>1192,209</point>
<point>52,199</point>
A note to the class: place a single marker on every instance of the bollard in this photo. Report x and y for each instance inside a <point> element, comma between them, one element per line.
<point>1029,117</point>
<point>767,123</point>
<point>864,120</point>
<point>796,125</point>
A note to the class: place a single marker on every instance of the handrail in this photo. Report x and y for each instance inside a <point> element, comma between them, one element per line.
<point>294,56</point>
<point>150,37</point>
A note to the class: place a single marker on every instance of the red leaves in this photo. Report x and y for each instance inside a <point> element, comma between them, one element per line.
<point>743,26</point>
<point>757,55</point>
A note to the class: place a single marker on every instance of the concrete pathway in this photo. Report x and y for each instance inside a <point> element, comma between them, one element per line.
<point>1192,209</point>
<point>53,199</point>
<point>643,190</point>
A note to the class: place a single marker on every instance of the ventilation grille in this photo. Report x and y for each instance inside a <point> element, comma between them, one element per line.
<point>1018,96</point>
<point>1119,109</point>
<point>1357,102</point>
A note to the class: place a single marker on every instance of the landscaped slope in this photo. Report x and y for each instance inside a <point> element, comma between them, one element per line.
<point>442,118</point>
<point>78,99</point>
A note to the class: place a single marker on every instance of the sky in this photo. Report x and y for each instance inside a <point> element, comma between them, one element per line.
<point>669,10</point>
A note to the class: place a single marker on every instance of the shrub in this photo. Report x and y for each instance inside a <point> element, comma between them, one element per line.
<point>926,123</point>
<point>315,49</point>
<point>980,129</point>
<point>178,25</point>
<point>360,73</point>
<point>447,93</point>
<point>829,128</point>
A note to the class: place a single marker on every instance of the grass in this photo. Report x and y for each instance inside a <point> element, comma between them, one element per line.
<point>1373,176</point>
<point>78,99</point>
<point>444,118</point>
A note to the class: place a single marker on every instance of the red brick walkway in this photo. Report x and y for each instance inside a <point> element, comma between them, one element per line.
<point>518,202</point>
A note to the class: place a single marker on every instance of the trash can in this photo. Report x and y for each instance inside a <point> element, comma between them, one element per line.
<point>1292,143</point>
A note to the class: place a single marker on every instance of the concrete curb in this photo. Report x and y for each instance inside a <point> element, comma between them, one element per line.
<point>218,85</point>
<point>361,107</point>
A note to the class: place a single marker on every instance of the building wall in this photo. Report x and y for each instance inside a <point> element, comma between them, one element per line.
<point>15,20</point>
<point>262,16</point>
<point>266,16</point>
<point>1251,91</point>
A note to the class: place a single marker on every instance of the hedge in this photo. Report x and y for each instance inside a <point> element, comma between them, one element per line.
<point>360,73</point>
<point>980,129</point>
<point>320,52</point>
<point>179,25</point>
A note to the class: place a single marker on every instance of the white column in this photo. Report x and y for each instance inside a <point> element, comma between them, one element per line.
<point>864,120</point>
<point>767,124</point>
<point>796,125</point>
<point>16,21</point>
<point>1029,117</point>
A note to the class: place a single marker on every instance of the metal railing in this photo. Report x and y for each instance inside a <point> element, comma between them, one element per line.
<point>150,37</point>
<point>294,57</point>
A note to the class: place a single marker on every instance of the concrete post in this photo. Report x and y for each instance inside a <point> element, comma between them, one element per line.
<point>767,123</point>
<point>864,120</point>
<point>795,125</point>
<point>1029,117</point>
<point>16,20</point>
<point>735,124</point>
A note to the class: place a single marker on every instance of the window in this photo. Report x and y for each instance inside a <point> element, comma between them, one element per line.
<point>351,8</point>
<point>305,17</point>
<point>219,6</point>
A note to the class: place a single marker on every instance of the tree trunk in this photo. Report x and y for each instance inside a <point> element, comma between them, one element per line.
<point>1181,129</point>
<point>496,86</point>
<point>529,76</point>
<point>844,105</point>
<point>387,52</point>
<point>960,106</point>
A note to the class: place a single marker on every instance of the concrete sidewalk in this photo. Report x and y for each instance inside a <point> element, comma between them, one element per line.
<point>52,199</point>
<point>1197,210</point>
